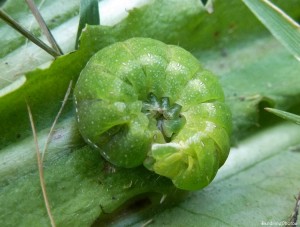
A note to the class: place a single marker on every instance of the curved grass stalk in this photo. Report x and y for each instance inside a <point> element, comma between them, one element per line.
<point>38,152</point>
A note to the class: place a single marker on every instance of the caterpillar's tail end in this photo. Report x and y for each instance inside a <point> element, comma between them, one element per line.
<point>189,167</point>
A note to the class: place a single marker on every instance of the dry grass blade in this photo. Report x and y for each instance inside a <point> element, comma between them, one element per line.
<point>56,118</point>
<point>14,24</point>
<point>39,158</point>
<point>43,26</point>
<point>40,167</point>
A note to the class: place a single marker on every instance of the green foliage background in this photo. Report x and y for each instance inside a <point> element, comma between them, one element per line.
<point>256,184</point>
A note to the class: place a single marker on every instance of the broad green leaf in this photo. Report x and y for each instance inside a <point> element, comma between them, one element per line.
<point>250,65</point>
<point>284,28</point>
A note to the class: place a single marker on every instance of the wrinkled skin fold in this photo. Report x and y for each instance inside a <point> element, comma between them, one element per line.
<point>144,102</point>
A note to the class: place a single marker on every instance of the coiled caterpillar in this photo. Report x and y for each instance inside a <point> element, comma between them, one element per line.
<point>145,102</point>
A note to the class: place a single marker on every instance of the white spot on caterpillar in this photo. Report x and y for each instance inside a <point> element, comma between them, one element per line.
<point>95,146</point>
<point>175,66</point>
<point>76,109</point>
<point>172,144</point>
<point>120,106</point>
<point>211,110</point>
<point>210,126</point>
<point>163,198</point>
<point>89,141</point>
<point>150,59</point>
<point>195,138</point>
<point>105,155</point>
<point>198,84</point>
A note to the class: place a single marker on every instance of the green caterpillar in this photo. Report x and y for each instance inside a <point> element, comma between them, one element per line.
<point>142,101</point>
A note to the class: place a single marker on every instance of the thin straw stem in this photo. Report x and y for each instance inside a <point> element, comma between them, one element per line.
<point>40,167</point>
<point>43,26</point>
<point>14,24</point>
